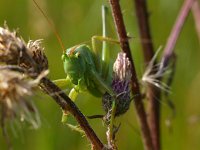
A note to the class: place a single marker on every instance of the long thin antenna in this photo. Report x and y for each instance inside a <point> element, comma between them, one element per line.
<point>51,25</point>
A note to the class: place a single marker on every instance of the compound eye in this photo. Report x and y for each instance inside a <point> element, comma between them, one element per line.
<point>77,55</point>
<point>63,57</point>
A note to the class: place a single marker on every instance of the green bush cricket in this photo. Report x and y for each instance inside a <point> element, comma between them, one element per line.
<point>88,72</point>
<point>85,70</point>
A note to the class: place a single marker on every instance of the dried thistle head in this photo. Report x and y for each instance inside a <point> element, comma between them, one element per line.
<point>14,51</point>
<point>120,85</point>
<point>38,55</point>
<point>11,46</point>
<point>16,87</point>
<point>15,90</point>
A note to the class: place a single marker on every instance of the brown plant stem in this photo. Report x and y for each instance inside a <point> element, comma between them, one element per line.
<point>144,28</point>
<point>65,103</point>
<point>68,105</point>
<point>172,39</point>
<point>153,93</point>
<point>119,23</point>
<point>196,15</point>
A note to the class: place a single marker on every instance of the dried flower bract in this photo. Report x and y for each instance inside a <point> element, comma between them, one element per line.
<point>14,51</point>
<point>37,53</point>
<point>10,47</point>
<point>152,77</point>
<point>15,90</point>
<point>16,86</point>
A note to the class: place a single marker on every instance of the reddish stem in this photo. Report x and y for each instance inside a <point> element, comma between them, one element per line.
<point>172,39</point>
<point>119,23</point>
<point>153,93</point>
<point>196,15</point>
<point>69,106</point>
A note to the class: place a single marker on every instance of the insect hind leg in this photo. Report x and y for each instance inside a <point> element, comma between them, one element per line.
<point>102,64</point>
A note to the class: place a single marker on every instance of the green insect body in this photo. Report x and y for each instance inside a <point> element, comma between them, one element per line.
<point>79,66</point>
<point>86,71</point>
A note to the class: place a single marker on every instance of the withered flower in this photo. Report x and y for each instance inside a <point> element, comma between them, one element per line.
<point>37,54</point>
<point>14,51</point>
<point>11,47</point>
<point>152,77</point>
<point>16,87</point>
<point>120,85</point>
<point>15,102</point>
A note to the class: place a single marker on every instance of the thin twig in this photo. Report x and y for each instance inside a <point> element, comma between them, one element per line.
<point>172,39</point>
<point>119,23</point>
<point>110,132</point>
<point>144,28</point>
<point>68,105</point>
<point>196,15</point>
<point>153,93</point>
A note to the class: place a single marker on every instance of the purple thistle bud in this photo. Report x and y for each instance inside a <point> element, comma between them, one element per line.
<point>120,85</point>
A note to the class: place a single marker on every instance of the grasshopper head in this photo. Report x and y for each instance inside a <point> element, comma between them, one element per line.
<point>74,64</point>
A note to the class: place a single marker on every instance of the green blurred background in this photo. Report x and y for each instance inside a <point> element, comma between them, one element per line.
<point>76,21</point>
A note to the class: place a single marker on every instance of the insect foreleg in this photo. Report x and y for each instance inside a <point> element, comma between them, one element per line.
<point>73,94</point>
<point>64,83</point>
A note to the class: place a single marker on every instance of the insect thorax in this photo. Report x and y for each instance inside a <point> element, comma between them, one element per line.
<point>77,62</point>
